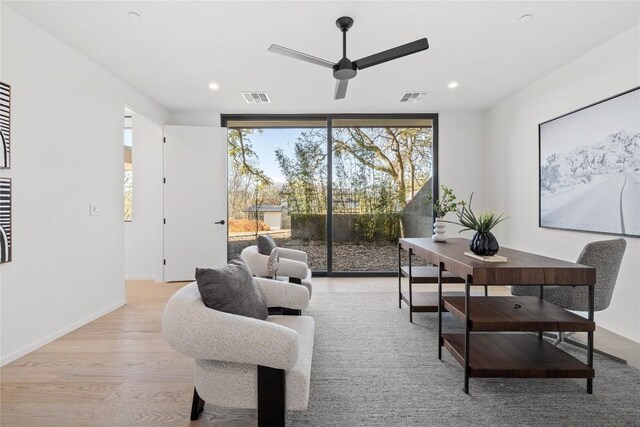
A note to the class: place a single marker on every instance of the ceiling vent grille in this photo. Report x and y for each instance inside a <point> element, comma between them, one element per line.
<point>413,97</point>
<point>256,98</point>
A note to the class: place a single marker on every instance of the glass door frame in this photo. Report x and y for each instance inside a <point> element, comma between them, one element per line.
<point>328,118</point>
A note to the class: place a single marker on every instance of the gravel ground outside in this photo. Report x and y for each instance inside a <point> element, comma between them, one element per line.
<point>347,256</point>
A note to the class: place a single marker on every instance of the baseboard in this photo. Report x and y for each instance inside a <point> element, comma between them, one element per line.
<point>54,336</point>
<point>616,330</point>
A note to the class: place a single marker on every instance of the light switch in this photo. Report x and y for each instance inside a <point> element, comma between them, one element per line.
<point>94,210</point>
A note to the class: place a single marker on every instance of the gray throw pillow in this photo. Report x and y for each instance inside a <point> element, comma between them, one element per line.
<point>266,244</point>
<point>231,289</point>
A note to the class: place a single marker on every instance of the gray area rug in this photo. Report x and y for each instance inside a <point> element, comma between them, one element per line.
<point>371,367</point>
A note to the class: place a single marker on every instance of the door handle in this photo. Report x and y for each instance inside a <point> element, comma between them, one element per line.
<point>221,222</point>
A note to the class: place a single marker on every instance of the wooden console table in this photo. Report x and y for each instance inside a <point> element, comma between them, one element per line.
<point>484,353</point>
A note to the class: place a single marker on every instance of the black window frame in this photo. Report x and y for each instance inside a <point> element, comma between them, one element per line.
<point>328,118</point>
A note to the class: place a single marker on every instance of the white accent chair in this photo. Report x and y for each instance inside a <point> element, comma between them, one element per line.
<point>292,264</point>
<point>243,362</point>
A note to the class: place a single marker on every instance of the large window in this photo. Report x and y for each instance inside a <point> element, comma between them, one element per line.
<point>372,174</point>
<point>382,173</point>
<point>277,185</point>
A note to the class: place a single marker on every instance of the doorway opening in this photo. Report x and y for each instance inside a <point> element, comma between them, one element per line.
<point>142,197</point>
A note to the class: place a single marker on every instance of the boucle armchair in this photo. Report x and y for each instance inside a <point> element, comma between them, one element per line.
<point>243,362</point>
<point>292,264</point>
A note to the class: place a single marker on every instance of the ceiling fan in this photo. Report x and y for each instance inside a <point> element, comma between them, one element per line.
<point>345,69</point>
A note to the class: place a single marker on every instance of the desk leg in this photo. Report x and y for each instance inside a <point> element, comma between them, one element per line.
<point>541,296</point>
<point>590,337</point>
<point>440,268</point>
<point>410,287</point>
<point>467,349</point>
<point>399,275</point>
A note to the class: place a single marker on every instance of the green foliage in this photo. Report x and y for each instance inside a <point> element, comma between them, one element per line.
<point>309,226</point>
<point>243,158</point>
<point>347,227</point>
<point>376,227</point>
<point>482,222</point>
<point>397,157</point>
<point>446,203</point>
<point>305,172</point>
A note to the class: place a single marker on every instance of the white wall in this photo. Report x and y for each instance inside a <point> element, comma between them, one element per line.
<point>511,163</point>
<point>143,235</point>
<point>67,127</point>
<point>461,145</point>
<point>195,119</point>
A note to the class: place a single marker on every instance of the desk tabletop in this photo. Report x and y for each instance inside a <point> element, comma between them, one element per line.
<point>522,268</point>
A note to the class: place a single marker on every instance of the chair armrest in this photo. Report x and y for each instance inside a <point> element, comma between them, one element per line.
<point>255,260</point>
<point>283,294</point>
<point>293,254</point>
<point>193,329</point>
<point>291,268</point>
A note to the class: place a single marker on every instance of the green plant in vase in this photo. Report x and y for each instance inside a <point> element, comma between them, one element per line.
<point>443,205</point>
<point>483,242</point>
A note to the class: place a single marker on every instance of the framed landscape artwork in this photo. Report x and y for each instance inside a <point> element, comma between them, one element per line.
<point>590,168</point>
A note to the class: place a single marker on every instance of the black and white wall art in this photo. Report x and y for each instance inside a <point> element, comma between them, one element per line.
<point>590,167</point>
<point>5,220</point>
<point>5,125</point>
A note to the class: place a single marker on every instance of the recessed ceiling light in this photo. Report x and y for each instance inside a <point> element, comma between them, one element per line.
<point>525,18</point>
<point>214,86</point>
<point>135,16</point>
<point>452,85</point>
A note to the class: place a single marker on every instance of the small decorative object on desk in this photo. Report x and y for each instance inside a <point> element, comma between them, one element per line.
<point>482,243</point>
<point>442,206</point>
<point>492,258</point>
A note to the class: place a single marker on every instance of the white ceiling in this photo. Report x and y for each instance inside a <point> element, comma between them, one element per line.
<point>179,47</point>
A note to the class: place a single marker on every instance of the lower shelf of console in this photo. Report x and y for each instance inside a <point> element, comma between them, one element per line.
<point>426,302</point>
<point>515,355</point>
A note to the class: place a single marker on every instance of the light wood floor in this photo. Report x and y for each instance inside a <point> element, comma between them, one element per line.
<point>118,371</point>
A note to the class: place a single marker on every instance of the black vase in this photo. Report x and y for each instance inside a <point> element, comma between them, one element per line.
<point>484,244</point>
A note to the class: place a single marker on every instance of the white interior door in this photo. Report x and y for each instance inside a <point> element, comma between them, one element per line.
<point>195,200</point>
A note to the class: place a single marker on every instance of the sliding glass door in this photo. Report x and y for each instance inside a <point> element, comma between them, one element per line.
<point>372,174</point>
<point>277,186</point>
<point>382,170</point>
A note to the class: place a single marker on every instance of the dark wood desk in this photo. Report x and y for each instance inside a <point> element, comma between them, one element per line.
<point>516,354</point>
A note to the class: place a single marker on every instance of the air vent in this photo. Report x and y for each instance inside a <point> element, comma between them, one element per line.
<point>256,98</point>
<point>413,97</point>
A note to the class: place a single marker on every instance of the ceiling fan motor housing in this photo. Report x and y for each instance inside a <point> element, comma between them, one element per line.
<point>344,23</point>
<point>344,70</point>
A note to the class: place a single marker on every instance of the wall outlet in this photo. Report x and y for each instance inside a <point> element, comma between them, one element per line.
<point>94,210</point>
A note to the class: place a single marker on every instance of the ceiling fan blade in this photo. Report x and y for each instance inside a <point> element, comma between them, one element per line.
<point>394,53</point>
<point>299,55</point>
<point>341,89</point>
